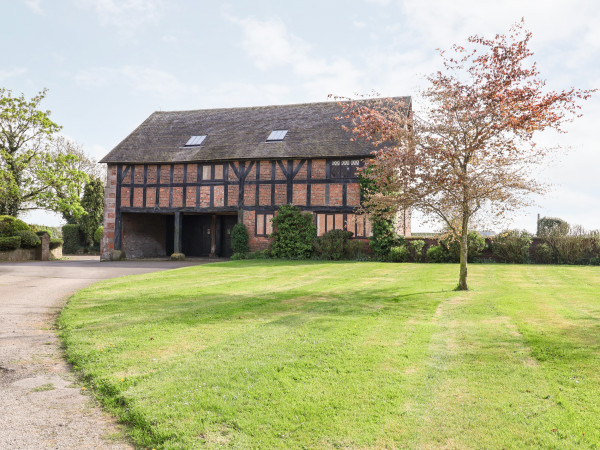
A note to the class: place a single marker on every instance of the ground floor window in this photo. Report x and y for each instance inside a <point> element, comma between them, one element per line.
<point>263,224</point>
<point>359,225</point>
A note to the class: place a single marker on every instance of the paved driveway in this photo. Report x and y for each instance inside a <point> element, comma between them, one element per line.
<point>40,406</point>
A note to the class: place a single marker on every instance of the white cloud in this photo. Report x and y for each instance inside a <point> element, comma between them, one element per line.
<point>35,6</point>
<point>6,74</point>
<point>126,15</point>
<point>270,45</point>
<point>143,79</point>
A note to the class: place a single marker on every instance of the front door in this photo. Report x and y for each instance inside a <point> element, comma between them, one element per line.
<point>227,223</point>
<point>196,235</point>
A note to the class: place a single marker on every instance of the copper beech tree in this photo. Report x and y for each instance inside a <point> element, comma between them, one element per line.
<point>472,147</point>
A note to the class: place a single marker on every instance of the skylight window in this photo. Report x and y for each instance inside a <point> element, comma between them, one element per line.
<point>195,141</point>
<point>277,135</point>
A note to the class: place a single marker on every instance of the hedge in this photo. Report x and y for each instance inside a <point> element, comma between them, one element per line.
<point>9,243</point>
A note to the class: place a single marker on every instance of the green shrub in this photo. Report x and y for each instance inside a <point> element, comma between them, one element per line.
<point>512,246</point>
<point>475,246</point>
<point>384,238</point>
<point>595,261</point>
<point>72,237</point>
<point>238,256</point>
<point>416,249</point>
<point>357,250</point>
<point>399,254</point>
<point>333,245</point>
<point>294,234</point>
<point>437,254</point>
<point>28,238</point>
<point>9,243</point>
<point>98,234</point>
<point>543,254</point>
<point>239,239</point>
<point>55,243</point>
<point>9,226</point>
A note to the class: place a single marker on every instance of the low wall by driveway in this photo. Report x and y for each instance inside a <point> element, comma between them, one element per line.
<point>41,253</point>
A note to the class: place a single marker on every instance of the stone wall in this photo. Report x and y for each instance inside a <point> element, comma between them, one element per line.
<point>20,254</point>
<point>144,235</point>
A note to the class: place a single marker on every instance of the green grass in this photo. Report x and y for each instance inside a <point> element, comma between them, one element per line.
<point>262,354</point>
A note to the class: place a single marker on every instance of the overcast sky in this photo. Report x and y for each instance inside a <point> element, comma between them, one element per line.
<point>109,64</point>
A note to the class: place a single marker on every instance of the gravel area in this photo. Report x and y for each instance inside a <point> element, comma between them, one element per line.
<point>41,404</point>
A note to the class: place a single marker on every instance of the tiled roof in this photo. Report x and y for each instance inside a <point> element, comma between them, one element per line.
<point>240,133</point>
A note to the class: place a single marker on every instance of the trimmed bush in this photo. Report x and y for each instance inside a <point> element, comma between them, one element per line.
<point>543,254</point>
<point>55,243</point>
<point>416,249</point>
<point>238,256</point>
<point>73,240</point>
<point>98,234</point>
<point>512,246</point>
<point>333,245</point>
<point>9,243</point>
<point>239,239</point>
<point>437,254</point>
<point>28,238</point>
<point>399,254</point>
<point>294,234</point>
<point>9,226</point>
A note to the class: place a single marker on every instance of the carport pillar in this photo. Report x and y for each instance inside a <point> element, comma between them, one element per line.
<point>177,233</point>
<point>213,237</point>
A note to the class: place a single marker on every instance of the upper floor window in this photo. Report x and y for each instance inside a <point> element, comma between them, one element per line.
<point>344,168</point>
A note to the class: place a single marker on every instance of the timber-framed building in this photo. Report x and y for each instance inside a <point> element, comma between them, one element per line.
<point>182,179</point>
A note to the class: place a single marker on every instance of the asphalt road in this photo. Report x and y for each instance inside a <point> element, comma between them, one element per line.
<point>41,406</point>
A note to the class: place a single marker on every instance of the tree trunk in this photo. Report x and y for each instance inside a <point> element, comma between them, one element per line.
<point>464,254</point>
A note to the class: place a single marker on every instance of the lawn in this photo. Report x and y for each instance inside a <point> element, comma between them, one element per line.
<point>262,354</point>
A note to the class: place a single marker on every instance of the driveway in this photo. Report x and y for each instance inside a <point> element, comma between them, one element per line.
<point>40,405</point>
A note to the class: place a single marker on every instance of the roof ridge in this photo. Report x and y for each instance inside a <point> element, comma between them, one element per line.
<point>284,105</point>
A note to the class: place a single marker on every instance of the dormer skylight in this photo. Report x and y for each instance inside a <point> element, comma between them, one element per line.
<point>277,135</point>
<point>195,141</point>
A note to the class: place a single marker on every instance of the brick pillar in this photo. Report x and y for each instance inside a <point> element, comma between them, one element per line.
<point>45,238</point>
<point>110,194</point>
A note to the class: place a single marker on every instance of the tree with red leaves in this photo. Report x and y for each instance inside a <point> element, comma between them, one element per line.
<point>472,148</point>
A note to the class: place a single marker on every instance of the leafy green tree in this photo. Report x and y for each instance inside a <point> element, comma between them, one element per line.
<point>92,204</point>
<point>67,170</point>
<point>32,175</point>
